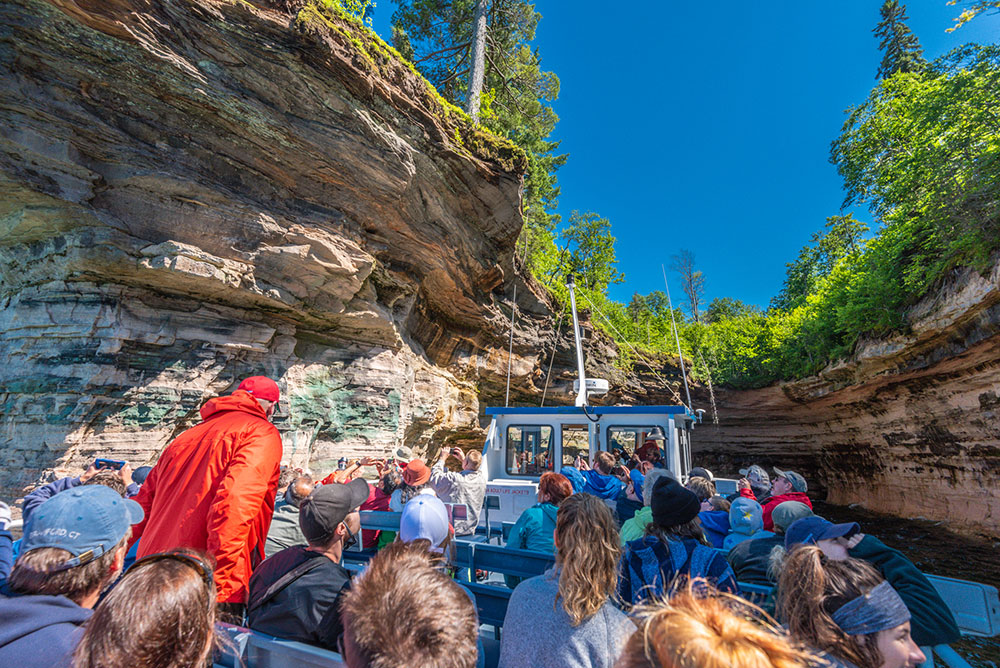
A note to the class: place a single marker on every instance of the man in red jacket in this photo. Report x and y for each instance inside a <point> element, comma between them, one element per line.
<point>213,487</point>
<point>787,486</point>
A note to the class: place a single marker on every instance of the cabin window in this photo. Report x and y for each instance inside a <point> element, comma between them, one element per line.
<point>625,441</point>
<point>575,441</point>
<point>529,449</point>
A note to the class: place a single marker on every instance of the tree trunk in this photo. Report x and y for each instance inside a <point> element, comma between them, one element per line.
<point>478,72</point>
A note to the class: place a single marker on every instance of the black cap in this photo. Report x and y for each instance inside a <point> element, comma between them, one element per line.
<point>672,504</point>
<point>327,506</point>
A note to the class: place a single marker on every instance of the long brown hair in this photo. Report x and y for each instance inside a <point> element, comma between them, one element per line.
<point>162,613</point>
<point>812,588</point>
<point>587,551</point>
<point>702,627</point>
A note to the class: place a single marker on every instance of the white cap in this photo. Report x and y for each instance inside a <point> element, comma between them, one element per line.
<point>424,516</point>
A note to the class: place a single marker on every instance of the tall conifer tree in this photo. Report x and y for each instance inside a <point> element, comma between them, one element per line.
<point>901,50</point>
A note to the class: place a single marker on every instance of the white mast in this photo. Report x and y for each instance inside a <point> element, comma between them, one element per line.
<point>581,395</point>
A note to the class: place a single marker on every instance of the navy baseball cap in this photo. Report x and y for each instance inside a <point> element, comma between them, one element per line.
<point>86,521</point>
<point>811,529</point>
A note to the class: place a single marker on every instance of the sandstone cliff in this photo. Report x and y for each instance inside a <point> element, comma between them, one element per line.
<point>909,426</point>
<point>192,191</point>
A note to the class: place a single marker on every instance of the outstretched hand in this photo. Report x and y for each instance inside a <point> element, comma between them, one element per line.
<point>89,473</point>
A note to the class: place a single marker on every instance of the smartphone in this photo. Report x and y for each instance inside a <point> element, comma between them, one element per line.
<point>115,464</point>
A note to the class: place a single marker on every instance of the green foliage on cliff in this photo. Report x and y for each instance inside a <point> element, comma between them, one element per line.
<point>923,154</point>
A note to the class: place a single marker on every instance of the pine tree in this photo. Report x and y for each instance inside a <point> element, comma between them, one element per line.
<point>901,50</point>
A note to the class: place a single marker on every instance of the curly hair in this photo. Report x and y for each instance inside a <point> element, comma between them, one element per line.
<point>812,588</point>
<point>402,611</point>
<point>587,551</point>
<point>703,489</point>
<point>702,627</point>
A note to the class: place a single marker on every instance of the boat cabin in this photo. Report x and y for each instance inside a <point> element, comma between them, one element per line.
<point>524,443</point>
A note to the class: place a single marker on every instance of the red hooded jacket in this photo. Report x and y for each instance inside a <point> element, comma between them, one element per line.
<point>213,489</point>
<point>773,502</point>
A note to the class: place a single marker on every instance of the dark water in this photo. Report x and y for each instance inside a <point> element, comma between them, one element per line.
<point>935,549</point>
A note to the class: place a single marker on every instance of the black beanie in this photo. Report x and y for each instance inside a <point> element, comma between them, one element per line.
<point>673,504</point>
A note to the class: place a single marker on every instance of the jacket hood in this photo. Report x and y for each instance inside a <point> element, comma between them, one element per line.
<point>23,615</point>
<point>549,511</point>
<point>746,516</point>
<point>237,401</point>
<point>716,521</point>
<point>600,485</point>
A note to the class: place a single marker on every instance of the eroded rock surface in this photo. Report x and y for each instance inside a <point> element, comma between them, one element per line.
<point>193,191</point>
<point>909,426</point>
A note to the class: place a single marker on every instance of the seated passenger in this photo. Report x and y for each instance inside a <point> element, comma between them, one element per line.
<point>119,480</point>
<point>845,609</point>
<point>467,487</point>
<point>758,483</point>
<point>599,481</point>
<point>162,613</point>
<point>285,530</point>
<point>788,486</point>
<point>708,631</point>
<point>566,617</point>
<point>750,559</point>
<point>534,528</point>
<point>674,547</point>
<point>933,623</point>
<point>73,547</point>
<point>403,611</point>
<point>415,478</point>
<point>746,522</point>
<point>714,517</point>
<point>635,528</point>
<point>305,606</point>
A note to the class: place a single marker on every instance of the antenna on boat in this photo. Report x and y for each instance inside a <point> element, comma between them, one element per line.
<point>677,338</point>
<point>581,395</point>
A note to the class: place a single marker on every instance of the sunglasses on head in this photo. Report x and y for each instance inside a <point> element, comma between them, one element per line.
<point>195,561</point>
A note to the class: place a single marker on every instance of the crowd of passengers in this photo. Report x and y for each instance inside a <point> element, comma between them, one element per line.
<point>123,568</point>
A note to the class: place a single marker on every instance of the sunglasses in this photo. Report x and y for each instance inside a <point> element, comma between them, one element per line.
<point>195,561</point>
<point>352,538</point>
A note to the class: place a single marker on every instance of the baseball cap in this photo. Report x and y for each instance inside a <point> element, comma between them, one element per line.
<point>424,516</point>
<point>811,529</point>
<point>261,387</point>
<point>787,512</point>
<point>416,473</point>
<point>328,506</point>
<point>701,472</point>
<point>798,482</point>
<point>756,474</point>
<point>86,521</point>
<point>404,453</point>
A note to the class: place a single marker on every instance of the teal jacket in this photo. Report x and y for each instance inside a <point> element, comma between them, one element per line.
<point>533,531</point>
<point>635,528</point>
<point>932,623</point>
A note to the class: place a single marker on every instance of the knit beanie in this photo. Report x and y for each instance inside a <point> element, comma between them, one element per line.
<point>672,504</point>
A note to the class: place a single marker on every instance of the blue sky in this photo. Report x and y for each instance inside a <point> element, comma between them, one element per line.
<point>709,129</point>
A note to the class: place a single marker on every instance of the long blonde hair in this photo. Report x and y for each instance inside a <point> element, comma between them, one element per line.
<point>701,627</point>
<point>587,553</point>
<point>811,589</point>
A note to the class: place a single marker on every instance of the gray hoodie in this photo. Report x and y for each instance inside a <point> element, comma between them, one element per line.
<point>537,631</point>
<point>465,487</point>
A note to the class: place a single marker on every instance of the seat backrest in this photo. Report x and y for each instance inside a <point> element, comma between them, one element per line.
<point>491,602</point>
<point>380,520</point>
<point>492,502</point>
<point>976,606</point>
<point>258,650</point>
<point>509,561</point>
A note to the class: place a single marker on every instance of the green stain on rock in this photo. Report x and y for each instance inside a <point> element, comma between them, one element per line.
<point>331,407</point>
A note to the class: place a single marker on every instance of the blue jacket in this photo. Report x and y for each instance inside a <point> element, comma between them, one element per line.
<point>602,486</point>
<point>649,566</point>
<point>46,492</point>
<point>716,525</point>
<point>39,631</point>
<point>533,531</point>
<point>6,554</point>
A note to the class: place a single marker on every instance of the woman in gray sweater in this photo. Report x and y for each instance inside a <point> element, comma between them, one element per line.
<point>565,617</point>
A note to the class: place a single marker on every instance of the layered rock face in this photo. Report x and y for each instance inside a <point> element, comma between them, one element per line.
<point>193,191</point>
<point>909,426</point>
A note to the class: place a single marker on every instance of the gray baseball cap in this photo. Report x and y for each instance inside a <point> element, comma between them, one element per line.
<point>798,482</point>
<point>328,506</point>
<point>756,475</point>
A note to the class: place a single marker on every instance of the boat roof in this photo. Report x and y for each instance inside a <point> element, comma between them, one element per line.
<point>592,410</point>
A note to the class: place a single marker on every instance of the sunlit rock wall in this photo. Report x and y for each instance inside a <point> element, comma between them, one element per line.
<point>909,426</point>
<point>194,191</point>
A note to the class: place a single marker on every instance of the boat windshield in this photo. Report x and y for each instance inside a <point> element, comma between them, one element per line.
<point>529,449</point>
